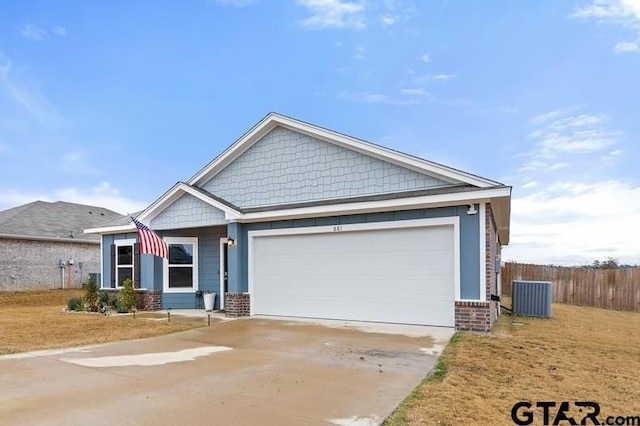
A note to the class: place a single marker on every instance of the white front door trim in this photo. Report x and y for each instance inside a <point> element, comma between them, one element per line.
<point>223,242</point>
<point>416,223</point>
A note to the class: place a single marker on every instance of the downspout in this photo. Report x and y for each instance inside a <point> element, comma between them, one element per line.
<point>62,267</point>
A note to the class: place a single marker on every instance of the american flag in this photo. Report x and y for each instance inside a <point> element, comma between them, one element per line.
<point>150,242</point>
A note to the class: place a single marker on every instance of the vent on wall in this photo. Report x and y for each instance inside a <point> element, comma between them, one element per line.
<point>532,298</point>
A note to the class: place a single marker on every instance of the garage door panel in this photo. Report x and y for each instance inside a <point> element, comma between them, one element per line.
<point>393,275</point>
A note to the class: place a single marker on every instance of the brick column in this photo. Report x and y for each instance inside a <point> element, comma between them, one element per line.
<point>474,316</point>
<point>237,305</point>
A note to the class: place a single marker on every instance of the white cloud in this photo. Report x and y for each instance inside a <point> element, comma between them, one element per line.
<point>429,78</point>
<point>377,98</point>
<point>34,32</point>
<point>424,58</point>
<point>627,47</point>
<point>443,77</point>
<point>564,212</point>
<point>27,96</point>
<point>618,10</point>
<point>74,157</point>
<point>559,134</point>
<point>102,195</point>
<point>575,223</point>
<point>415,92</point>
<point>387,20</point>
<point>39,33</point>
<point>76,162</point>
<point>611,157</point>
<point>60,30</point>
<point>360,53</point>
<point>547,116</point>
<point>625,13</point>
<point>334,14</point>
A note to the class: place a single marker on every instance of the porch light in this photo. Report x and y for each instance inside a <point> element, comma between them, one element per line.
<point>231,242</point>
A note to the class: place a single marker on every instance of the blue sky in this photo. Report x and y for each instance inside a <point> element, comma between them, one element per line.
<point>111,103</point>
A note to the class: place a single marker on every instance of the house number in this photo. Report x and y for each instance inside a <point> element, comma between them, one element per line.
<point>337,228</point>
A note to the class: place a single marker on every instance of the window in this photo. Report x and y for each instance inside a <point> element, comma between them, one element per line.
<point>181,269</point>
<point>124,261</point>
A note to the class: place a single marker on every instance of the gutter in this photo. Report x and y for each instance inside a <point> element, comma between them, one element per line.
<point>53,239</point>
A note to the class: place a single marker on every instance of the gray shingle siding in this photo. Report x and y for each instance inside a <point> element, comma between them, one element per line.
<point>188,212</point>
<point>289,167</point>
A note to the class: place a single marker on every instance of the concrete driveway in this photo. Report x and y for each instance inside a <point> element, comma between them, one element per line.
<point>249,371</point>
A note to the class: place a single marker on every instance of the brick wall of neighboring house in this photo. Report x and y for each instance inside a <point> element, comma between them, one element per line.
<point>32,264</point>
<point>477,315</point>
<point>237,305</point>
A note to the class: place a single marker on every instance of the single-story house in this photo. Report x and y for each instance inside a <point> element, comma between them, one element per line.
<point>297,220</point>
<point>43,245</point>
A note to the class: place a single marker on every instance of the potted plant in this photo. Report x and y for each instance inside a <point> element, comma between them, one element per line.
<point>209,299</point>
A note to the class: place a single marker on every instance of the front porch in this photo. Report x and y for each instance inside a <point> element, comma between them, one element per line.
<point>200,260</point>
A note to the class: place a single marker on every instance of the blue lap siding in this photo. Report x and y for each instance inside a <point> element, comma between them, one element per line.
<point>469,241</point>
<point>151,267</point>
<point>209,251</point>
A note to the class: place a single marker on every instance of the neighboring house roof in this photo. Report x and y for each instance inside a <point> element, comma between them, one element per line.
<point>457,187</point>
<point>60,220</point>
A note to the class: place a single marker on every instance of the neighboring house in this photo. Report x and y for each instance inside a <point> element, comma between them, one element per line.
<point>297,220</point>
<point>43,245</point>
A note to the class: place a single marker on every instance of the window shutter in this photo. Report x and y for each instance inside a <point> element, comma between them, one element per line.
<point>136,265</point>
<point>113,266</point>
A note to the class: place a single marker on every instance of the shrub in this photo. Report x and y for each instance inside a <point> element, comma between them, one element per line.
<point>104,302</point>
<point>75,304</point>
<point>118,306</point>
<point>127,295</point>
<point>90,295</point>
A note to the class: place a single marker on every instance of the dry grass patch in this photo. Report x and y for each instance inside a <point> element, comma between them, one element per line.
<point>581,354</point>
<point>33,320</point>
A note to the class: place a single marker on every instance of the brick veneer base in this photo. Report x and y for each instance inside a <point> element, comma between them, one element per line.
<point>475,316</point>
<point>146,300</point>
<point>237,305</point>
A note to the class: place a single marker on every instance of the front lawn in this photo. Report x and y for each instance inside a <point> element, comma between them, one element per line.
<point>33,320</point>
<point>581,354</point>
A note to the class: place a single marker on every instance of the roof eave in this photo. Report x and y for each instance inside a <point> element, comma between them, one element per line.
<point>409,203</point>
<point>53,239</point>
<point>118,229</point>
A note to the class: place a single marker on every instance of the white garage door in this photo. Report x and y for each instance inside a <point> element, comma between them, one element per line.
<point>400,275</point>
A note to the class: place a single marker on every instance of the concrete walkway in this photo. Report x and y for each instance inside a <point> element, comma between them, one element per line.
<point>242,372</point>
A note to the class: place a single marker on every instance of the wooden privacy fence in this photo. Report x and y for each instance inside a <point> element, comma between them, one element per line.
<point>603,288</point>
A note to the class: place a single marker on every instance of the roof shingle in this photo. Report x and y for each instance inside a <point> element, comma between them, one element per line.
<point>41,219</point>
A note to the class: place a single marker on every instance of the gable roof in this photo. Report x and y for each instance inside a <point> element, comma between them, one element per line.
<point>53,221</point>
<point>272,120</point>
<point>464,188</point>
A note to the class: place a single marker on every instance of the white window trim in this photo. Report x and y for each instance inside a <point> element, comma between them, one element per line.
<point>165,265</point>
<point>125,242</point>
